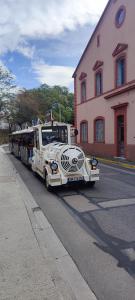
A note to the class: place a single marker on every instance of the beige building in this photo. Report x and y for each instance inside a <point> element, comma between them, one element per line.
<point>104,85</point>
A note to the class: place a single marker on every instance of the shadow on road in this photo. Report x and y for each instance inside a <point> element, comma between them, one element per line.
<point>114,246</point>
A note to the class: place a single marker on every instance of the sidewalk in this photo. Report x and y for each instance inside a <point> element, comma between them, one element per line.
<point>118,162</point>
<point>34,265</point>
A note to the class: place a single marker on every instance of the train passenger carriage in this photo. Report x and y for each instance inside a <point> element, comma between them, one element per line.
<point>51,152</point>
<point>21,144</point>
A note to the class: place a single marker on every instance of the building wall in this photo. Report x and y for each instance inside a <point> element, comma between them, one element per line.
<point>110,36</point>
<point>101,107</point>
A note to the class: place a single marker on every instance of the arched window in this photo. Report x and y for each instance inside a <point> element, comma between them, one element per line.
<point>99,130</point>
<point>84,132</point>
<point>120,71</point>
<point>83,91</point>
<point>98,83</point>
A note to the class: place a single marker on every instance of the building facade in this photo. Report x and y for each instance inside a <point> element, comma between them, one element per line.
<point>104,85</point>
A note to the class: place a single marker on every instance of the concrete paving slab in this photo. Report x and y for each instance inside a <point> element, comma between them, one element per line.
<point>42,221</point>
<point>53,243</point>
<point>80,203</point>
<point>66,192</point>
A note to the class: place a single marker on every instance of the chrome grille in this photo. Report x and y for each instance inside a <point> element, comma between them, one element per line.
<point>72,159</point>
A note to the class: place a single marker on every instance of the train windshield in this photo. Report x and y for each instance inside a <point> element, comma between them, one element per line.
<point>52,134</point>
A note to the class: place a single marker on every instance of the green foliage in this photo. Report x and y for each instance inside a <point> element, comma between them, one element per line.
<point>32,104</point>
<point>8,88</point>
<point>37,103</point>
<point>8,92</point>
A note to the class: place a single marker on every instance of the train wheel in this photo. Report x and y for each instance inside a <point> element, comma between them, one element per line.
<point>47,185</point>
<point>91,184</point>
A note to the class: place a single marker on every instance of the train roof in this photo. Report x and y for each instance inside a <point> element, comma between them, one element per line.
<point>52,124</point>
<point>27,130</point>
<point>33,128</point>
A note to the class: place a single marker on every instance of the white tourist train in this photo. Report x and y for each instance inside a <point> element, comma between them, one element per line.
<point>51,152</point>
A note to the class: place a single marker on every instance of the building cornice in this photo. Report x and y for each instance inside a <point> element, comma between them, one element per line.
<point>97,65</point>
<point>122,90</point>
<point>114,92</point>
<point>121,105</point>
<point>82,76</point>
<point>120,48</point>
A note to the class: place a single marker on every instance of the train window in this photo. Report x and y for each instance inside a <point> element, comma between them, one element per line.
<point>36,139</point>
<point>54,134</point>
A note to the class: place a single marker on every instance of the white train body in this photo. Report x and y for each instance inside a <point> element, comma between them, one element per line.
<point>56,159</point>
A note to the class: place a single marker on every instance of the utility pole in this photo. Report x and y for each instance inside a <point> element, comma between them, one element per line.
<point>59,112</point>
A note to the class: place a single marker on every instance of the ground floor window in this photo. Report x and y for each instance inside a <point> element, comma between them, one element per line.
<point>99,130</point>
<point>84,132</point>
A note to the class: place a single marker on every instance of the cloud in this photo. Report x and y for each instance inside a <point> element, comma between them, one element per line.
<point>23,20</point>
<point>26,50</point>
<point>53,75</point>
<point>58,48</point>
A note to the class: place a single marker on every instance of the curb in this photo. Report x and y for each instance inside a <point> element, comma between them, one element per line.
<point>65,274</point>
<point>118,163</point>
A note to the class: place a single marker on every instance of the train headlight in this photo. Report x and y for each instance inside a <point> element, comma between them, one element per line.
<point>54,166</point>
<point>94,163</point>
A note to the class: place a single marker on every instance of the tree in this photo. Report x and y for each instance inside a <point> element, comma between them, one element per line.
<point>8,88</point>
<point>56,98</point>
<point>8,91</point>
<point>34,104</point>
<point>24,109</point>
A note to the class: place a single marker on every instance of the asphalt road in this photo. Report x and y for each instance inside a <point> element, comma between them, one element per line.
<point>96,226</point>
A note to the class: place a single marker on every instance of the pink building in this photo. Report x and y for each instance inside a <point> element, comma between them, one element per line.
<point>104,85</point>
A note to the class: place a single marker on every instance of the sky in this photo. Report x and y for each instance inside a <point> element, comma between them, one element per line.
<point>41,41</point>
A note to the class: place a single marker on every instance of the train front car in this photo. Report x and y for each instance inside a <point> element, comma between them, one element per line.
<point>58,161</point>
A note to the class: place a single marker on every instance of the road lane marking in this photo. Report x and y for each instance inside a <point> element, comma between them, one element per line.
<point>118,202</point>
